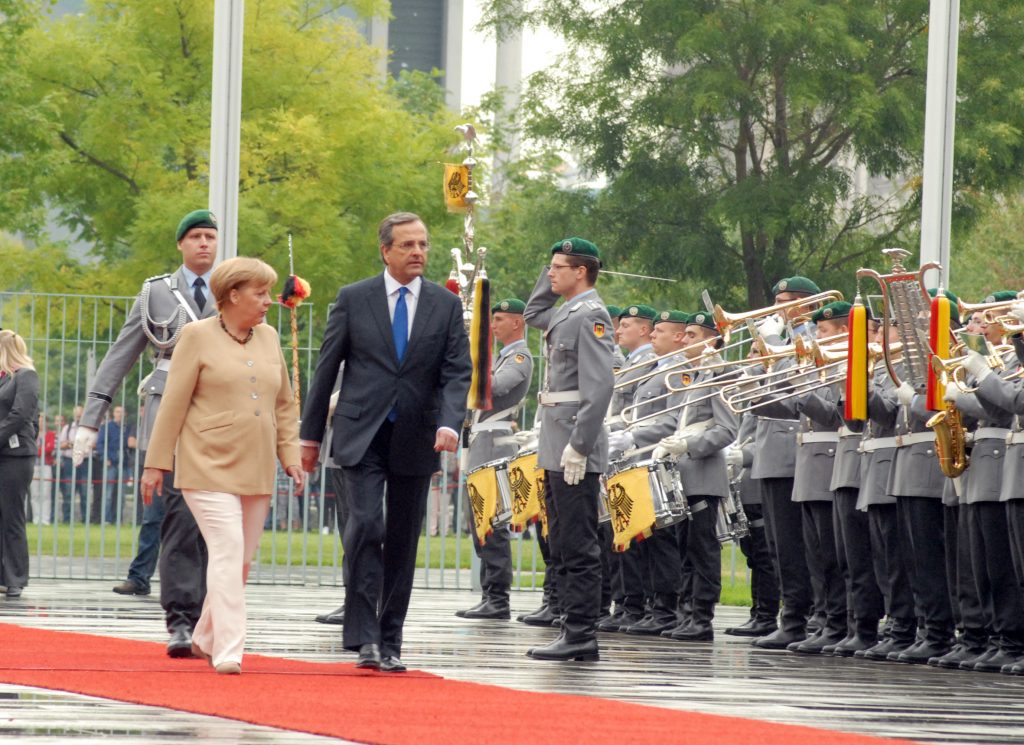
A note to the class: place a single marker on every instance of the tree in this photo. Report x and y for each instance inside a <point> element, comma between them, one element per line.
<point>731,130</point>
<point>114,137</point>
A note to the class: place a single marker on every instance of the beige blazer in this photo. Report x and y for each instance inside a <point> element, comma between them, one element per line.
<point>229,409</point>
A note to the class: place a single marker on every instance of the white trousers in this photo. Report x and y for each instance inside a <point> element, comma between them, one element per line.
<point>231,525</point>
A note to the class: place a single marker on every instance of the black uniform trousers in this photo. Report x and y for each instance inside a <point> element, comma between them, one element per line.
<point>15,479</point>
<point>550,572</point>
<point>969,613</point>
<point>631,579</point>
<point>891,555</point>
<point>495,565</point>
<point>700,551</point>
<point>784,521</point>
<point>998,591</point>
<point>823,561</point>
<point>924,520</point>
<point>662,570</point>
<point>1015,522</point>
<point>572,540</point>
<point>764,583</point>
<point>609,569</point>
<point>381,547</point>
<point>853,544</point>
<point>182,561</point>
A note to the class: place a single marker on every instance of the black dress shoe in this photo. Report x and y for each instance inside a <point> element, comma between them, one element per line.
<point>754,627</point>
<point>563,650</point>
<point>959,653</point>
<point>130,588</point>
<point>996,662</point>
<point>462,613</point>
<point>884,648</point>
<point>920,653</point>
<point>612,622</point>
<point>817,644</point>
<point>1015,669</point>
<point>543,616</point>
<point>652,625</point>
<point>489,610</point>
<point>989,651</point>
<point>391,664</point>
<point>13,592</point>
<point>693,632</point>
<point>180,644</point>
<point>336,617</point>
<point>855,643</point>
<point>369,657</point>
<point>779,639</point>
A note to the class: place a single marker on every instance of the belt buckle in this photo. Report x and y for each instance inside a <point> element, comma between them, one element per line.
<point>899,441</point>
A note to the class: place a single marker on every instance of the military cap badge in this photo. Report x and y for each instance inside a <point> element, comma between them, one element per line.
<point>665,315</point>
<point>567,246</point>
<point>699,318</point>
<point>783,285</point>
<point>504,305</point>
<point>826,313</point>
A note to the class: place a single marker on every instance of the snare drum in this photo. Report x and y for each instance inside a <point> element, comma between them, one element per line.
<point>490,497</point>
<point>641,497</point>
<point>525,483</point>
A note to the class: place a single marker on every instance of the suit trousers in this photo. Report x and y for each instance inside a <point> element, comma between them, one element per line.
<point>572,539</point>
<point>1000,595</point>
<point>784,520</point>
<point>183,560</point>
<point>820,545</point>
<point>970,611</point>
<point>15,480</point>
<point>924,519</point>
<point>853,543</point>
<point>231,525</point>
<point>341,503</point>
<point>699,549</point>
<point>891,555</point>
<point>764,583</point>
<point>381,546</point>
<point>495,565</point>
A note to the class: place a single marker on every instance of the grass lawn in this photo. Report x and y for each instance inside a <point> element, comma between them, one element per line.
<point>314,549</point>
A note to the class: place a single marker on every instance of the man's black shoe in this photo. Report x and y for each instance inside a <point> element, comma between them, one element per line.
<point>779,639</point>
<point>652,625</point>
<point>369,657</point>
<point>996,662</point>
<point>853,644</point>
<point>884,648</point>
<point>180,644</point>
<point>336,617</point>
<point>959,653</point>
<point>543,616</point>
<point>489,610</point>
<point>920,653</point>
<point>130,588</point>
<point>693,632</point>
<point>562,650</point>
<point>462,613</point>
<point>816,644</point>
<point>754,627</point>
<point>391,664</point>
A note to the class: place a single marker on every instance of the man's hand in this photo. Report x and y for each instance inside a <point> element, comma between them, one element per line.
<point>952,393</point>
<point>772,325</point>
<point>446,441</point>
<point>671,447</point>
<point>1017,311</point>
<point>296,475</point>
<point>309,455</point>
<point>905,393</point>
<point>977,366</point>
<point>152,482</point>
<point>574,465</point>
<point>85,443</point>
<point>734,457</point>
<point>620,442</point>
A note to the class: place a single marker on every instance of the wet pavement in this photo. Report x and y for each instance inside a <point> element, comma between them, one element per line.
<point>726,677</point>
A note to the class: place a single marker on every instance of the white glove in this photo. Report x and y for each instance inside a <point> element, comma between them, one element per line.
<point>711,356</point>
<point>771,326</point>
<point>620,442</point>
<point>671,447</point>
<point>85,443</point>
<point>1017,311</point>
<point>527,440</point>
<point>734,457</point>
<point>977,366</point>
<point>905,393</point>
<point>574,465</point>
<point>952,393</point>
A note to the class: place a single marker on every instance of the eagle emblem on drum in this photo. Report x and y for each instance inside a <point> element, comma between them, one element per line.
<point>621,506</point>
<point>476,504</point>
<point>521,488</point>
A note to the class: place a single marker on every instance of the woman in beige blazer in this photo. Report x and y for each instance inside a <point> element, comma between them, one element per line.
<point>226,415</point>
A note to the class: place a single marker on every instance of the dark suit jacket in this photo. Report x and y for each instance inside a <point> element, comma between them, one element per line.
<point>429,387</point>
<point>19,412</point>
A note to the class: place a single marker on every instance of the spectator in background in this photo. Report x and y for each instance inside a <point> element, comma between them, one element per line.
<point>41,504</point>
<point>19,413</point>
<point>71,480</point>
<point>442,486</point>
<point>115,443</point>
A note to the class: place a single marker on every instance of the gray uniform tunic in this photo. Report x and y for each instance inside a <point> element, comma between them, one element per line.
<point>649,399</point>
<point>702,466</point>
<point>878,444</point>
<point>491,436</point>
<point>1008,396</point>
<point>578,345</point>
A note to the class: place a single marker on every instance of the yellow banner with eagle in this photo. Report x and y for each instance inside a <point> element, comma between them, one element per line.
<point>482,490</point>
<point>630,505</point>
<point>456,187</point>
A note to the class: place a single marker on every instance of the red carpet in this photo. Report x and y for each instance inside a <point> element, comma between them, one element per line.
<point>339,700</point>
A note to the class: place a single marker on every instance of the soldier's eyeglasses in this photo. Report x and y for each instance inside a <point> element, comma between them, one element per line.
<point>410,245</point>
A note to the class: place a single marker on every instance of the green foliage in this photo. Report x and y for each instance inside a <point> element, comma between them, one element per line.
<point>990,256</point>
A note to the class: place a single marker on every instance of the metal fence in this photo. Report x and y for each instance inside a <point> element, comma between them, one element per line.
<point>85,522</point>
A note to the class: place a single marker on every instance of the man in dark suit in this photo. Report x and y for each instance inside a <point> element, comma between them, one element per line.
<point>407,374</point>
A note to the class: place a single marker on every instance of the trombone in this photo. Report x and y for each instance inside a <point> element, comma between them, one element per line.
<point>714,383</point>
<point>726,322</point>
<point>648,365</point>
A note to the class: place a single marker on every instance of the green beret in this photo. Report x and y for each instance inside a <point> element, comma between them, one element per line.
<point>832,311</point>
<point>1001,296</point>
<point>952,298</point>
<point>703,318</point>
<point>196,219</point>
<point>512,305</point>
<point>796,284</point>
<point>638,311</point>
<point>613,311</point>
<point>672,316</point>
<point>576,247</point>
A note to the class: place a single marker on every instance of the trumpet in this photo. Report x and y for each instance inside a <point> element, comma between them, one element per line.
<point>726,322</point>
<point>990,311</point>
<point>1011,324</point>
<point>953,368</point>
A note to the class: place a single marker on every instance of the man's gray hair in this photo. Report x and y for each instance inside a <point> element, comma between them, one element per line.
<point>385,231</point>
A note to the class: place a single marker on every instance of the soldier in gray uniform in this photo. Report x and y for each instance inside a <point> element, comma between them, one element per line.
<point>573,448</point>
<point>490,439</point>
<point>705,427</point>
<point>164,305</point>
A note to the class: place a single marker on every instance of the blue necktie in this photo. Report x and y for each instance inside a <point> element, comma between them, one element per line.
<point>400,333</point>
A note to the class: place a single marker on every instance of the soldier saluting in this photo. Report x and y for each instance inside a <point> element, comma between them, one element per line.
<point>163,307</point>
<point>573,447</point>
